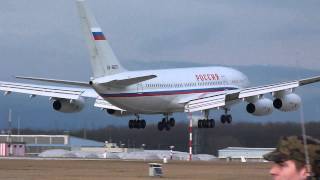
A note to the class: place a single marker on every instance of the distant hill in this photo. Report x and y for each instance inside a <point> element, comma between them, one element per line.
<point>37,113</point>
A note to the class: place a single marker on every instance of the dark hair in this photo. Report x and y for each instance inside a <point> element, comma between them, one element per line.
<point>299,165</point>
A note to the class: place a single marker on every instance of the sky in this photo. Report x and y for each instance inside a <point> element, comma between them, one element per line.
<point>43,38</point>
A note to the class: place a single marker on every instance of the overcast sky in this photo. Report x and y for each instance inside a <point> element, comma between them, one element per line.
<point>43,37</point>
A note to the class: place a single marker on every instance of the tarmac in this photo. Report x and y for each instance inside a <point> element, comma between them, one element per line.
<point>93,169</point>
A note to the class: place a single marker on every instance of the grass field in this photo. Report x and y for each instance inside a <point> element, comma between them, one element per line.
<point>123,170</point>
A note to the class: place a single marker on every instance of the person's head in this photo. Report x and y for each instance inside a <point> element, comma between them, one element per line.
<point>289,159</point>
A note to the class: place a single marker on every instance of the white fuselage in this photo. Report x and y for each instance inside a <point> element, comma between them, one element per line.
<point>167,92</point>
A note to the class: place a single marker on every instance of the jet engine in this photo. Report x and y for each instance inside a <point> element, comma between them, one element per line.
<point>118,113</point>
<point>68,105</point>
<point>260,107</point>
<point>288,102</point>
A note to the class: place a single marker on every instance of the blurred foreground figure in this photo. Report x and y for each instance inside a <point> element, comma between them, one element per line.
<point>290,159</point>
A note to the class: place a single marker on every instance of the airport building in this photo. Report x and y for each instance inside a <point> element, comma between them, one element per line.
<point>12,149</point>
<point>243,154</point>
<point>35,144</point>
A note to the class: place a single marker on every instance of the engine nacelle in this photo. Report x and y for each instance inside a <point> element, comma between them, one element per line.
<point>288,102</point>
<point>67,105</point>
<point>260,107</point>
<point>118,112</point>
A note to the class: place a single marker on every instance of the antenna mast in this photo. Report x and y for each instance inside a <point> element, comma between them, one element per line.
<point>9,128</point>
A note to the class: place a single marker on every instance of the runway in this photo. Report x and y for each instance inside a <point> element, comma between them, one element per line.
<point>79,169</point>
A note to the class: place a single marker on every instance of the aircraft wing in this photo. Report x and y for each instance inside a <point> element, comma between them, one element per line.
<point>55,92</point>
<point>220,100</point>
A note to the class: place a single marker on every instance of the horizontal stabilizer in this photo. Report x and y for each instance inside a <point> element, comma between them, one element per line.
<point>126,81</point>
<point>73,83</point>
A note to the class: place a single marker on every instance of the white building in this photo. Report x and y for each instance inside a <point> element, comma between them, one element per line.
<point>242,153</point>
<point>35,144</point>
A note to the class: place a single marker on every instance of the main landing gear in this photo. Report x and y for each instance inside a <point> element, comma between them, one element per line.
<point>166,123</point>
<point>137,123</point>
<point>210,123</point>
<point>206,122</point>
<point>226,118</point>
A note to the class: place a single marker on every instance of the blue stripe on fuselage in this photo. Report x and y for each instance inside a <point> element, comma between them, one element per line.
<point>164,93</point>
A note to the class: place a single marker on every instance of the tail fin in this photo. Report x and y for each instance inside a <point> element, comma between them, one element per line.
<point>103,60</point>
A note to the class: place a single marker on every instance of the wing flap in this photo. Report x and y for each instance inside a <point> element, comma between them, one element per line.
<point>50,91</point>
<point>260,90</point>
<point>57,92</point>
<point>206,103</point>
<point>73,83</point>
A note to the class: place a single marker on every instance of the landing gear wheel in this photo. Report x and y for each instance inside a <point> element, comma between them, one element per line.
<point>166,123</point>
<point>229,119</point>
<point>199,123</point>
<point>142,124</point>
<point>208,125</point>
<point>223,119</point>
<point>172,122</point>
<point>131,124</point>
<point>160,126</point>
<point>134,122</point>
<point>167,127</point>
<point>138,124</point>
<point>163,121</point>
<point>211,123</point>
<point>203,123</point>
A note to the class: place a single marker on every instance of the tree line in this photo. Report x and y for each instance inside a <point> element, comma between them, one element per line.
<point>207,141</point>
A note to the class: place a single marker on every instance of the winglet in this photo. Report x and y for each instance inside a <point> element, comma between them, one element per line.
<point>309,80</point>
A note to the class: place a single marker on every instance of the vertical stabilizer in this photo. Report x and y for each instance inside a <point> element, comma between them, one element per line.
<point>103,60</point>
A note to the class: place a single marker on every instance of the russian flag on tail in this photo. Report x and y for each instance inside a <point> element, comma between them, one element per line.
<point>97,34</point>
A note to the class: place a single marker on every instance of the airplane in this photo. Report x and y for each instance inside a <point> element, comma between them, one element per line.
<point>166,91</point>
